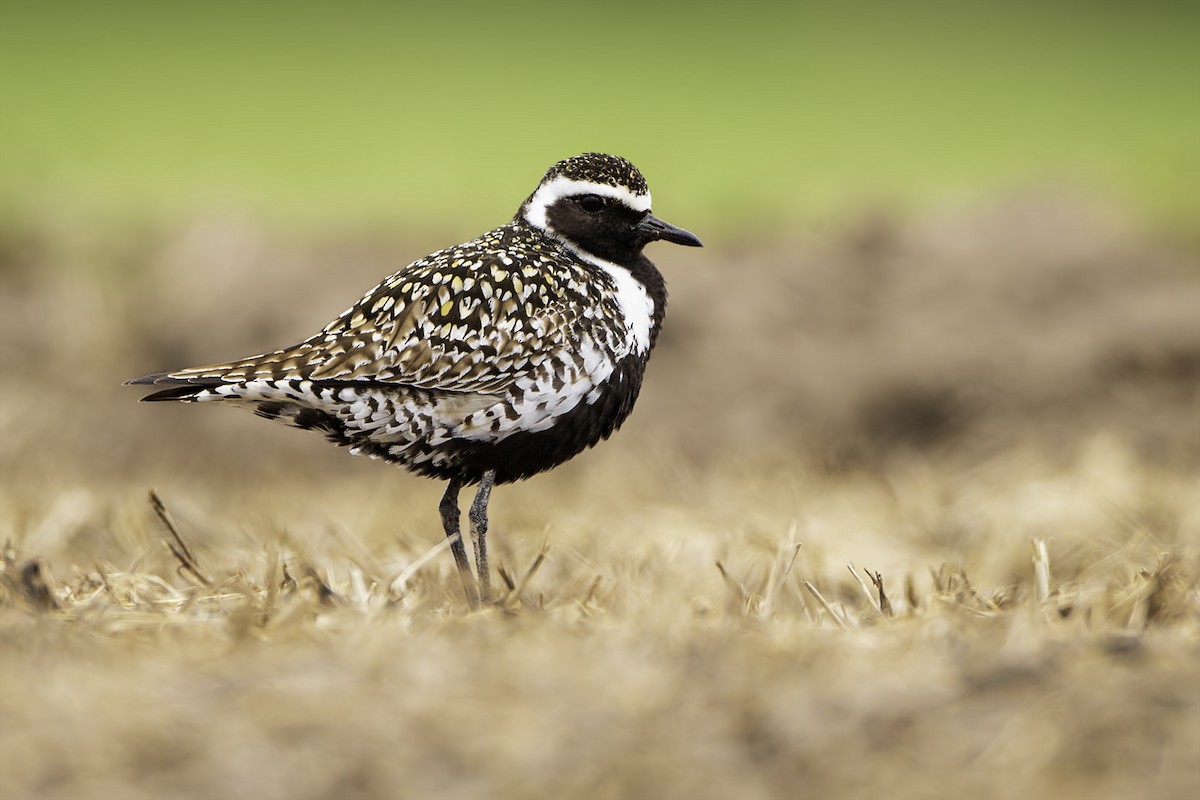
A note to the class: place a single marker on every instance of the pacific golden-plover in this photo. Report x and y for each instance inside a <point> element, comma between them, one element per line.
<point>484,363</point>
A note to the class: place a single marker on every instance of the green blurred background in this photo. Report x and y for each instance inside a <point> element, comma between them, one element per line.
<point>746,117</point>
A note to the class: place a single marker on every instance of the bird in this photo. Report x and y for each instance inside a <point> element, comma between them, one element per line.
<point>486,362</point>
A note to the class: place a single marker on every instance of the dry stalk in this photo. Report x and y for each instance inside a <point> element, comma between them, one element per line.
<point>359,593</point>
<point>516,591</point>
<point>287,584</point>
<point>780,572</point>
<point>183,554</point>
<point>988,604</point>
<point>862,585</point>
<point>1041,570</point>
<point>506,576</point>
<point>743,597</point>
<point>825,605</point>
<point>885,605</point>
<point>591,592</point>
<point>399,586</point>
<point>910,593</point>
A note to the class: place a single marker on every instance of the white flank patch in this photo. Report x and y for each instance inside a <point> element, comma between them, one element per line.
<point>636,305</point>
<point>550,193</point>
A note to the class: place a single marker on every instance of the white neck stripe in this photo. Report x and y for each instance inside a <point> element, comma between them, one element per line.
<point>637,307</point>
<point>554,190</point>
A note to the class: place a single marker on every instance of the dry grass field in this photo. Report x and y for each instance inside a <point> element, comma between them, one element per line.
<point>910,508</point>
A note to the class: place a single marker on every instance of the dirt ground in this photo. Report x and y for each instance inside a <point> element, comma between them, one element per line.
<point>994,411</point>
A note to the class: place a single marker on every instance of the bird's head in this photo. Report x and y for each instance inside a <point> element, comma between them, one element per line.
<point>600,204</point>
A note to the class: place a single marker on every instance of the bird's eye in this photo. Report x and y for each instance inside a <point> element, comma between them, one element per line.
<point>591,203</point>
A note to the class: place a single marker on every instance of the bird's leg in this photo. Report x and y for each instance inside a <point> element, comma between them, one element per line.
<point>450,522</point>
<point>479,524</point>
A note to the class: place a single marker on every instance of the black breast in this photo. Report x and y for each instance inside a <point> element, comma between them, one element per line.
<point>524,454</point>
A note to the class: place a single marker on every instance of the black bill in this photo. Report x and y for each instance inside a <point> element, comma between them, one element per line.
<point>654,228</point>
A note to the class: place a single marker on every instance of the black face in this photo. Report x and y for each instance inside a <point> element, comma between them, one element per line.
<point>599,225</point>
<point>610,229</point>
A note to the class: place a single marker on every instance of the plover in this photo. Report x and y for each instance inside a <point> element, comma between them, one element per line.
<point>484,363</point>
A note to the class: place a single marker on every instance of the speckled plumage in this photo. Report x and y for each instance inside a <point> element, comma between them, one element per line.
<point>507,354</point>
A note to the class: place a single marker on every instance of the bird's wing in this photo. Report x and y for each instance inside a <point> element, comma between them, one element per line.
<point>468,319</point>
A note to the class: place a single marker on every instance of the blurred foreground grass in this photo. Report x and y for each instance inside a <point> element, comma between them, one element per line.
<point>698,638</point>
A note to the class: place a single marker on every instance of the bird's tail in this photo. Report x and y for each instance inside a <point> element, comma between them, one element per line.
<point>278,400</point>
<point>169,386</point>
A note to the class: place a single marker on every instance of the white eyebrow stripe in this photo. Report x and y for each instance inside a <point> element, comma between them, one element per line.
<point>552,191</point>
